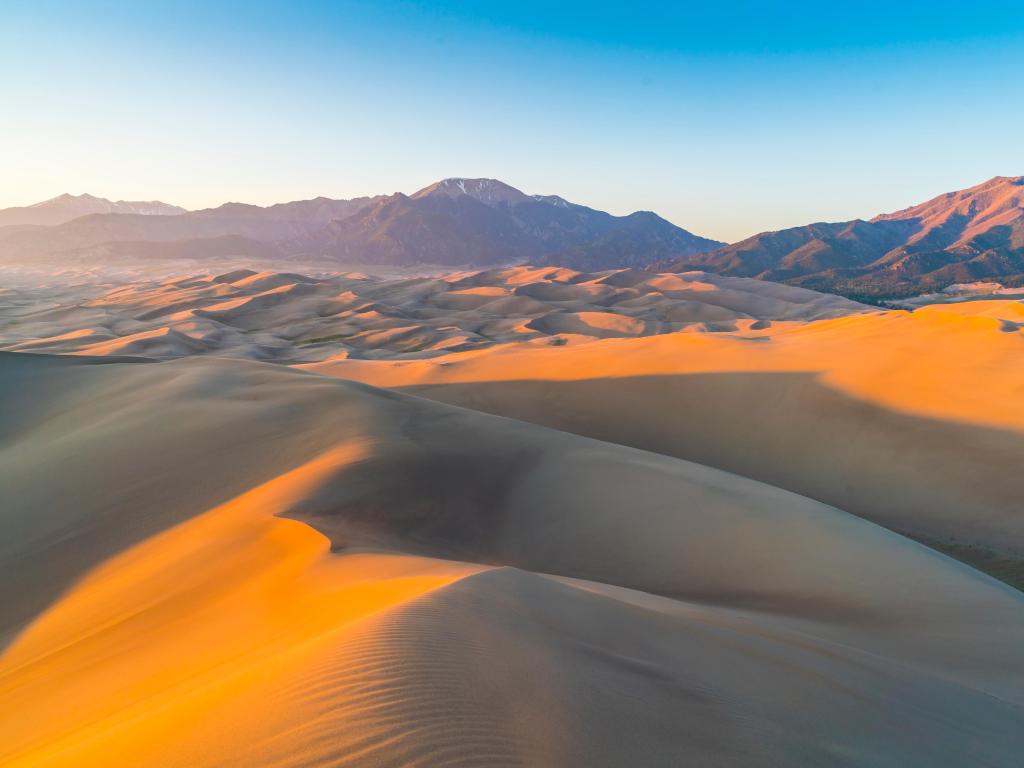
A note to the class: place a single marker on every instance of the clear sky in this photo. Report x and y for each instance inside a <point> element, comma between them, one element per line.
<point>725,117</point>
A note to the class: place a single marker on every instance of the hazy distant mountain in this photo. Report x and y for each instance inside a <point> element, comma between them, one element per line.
<point>972,234</point>
<point>100,229</point>
<point>642,238</point>
<point>453,222</point>
<point>266,225</point>
<point>67,207</point>
<point>319,210</point>
<point>425,230</point>
<point>194,249</point>
<point>485,221</point>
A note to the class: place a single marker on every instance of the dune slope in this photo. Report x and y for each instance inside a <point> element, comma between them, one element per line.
<point>912,420</point>
<point>225,562</point>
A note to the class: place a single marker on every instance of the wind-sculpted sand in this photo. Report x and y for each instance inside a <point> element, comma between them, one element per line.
<point>243,564</point>
<point>293,318</point>
<point>912,420</point>
<point>211,561</point>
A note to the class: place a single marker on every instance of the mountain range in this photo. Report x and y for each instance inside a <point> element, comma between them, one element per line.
<point>454,222</point>
<point>976,234</point>
<point>970,235</point>
<point>484,221</point>
<point>64,208</point>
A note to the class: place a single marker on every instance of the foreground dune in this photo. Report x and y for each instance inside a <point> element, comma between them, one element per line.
<point>219,562</point>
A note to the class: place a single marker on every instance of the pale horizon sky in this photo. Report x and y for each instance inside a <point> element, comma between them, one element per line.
<point>727,120</point>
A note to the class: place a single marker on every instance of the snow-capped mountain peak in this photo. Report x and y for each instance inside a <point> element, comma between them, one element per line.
<point>489,191</point>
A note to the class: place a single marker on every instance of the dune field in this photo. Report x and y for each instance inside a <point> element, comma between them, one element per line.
<point>530,517</point>
<point>292,318</point>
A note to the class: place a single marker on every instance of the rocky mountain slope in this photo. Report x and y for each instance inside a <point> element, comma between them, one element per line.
<point>973,234</point>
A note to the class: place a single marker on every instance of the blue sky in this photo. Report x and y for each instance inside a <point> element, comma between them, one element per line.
<point>727,118</point>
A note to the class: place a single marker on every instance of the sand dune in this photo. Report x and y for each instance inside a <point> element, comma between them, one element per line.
<point>292,318</point>
<point>907,419</point>
<point>353,576</point>
<point>212,561</point>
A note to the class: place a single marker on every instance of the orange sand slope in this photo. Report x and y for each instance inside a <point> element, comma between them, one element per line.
<point>912,420</point>
<point>294,318</point>
<point>216,562</point>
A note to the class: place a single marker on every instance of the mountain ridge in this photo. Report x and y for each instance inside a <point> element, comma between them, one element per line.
<point>967,235</point>
<point>964,236</point>
<point>67,207</point>
<point>455,221</point>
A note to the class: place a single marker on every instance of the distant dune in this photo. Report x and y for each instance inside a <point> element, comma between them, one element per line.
<point>290,318</point>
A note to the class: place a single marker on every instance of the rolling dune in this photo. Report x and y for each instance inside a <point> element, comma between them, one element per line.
<point>295,571</point>
<point>907,419</point>
<point>291,318</point>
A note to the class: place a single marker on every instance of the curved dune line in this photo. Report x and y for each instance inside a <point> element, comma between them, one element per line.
<point>770,628</point>
<point>906,419</point>
<point>156,638</point>
<point>394,689</point>
<point>955,362</point>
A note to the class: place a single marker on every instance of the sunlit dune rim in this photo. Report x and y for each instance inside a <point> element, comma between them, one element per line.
<point>956,362</point>
<point>77,334</point>
<point>82,334</point>
<point>507,668</point>
<point>224,601</point>
<point>515,275</point>
<point>594,324</point>
<point>138,343</point>
<point>482,290</point>
<point>1009,308</point>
